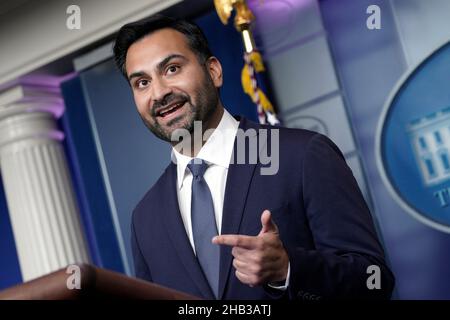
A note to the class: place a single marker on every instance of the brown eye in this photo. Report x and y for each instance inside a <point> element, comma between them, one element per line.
<point>172,69</point>
<point>142,83</point>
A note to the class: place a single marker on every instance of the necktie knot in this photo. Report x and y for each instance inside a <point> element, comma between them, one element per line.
<point>198,168</point>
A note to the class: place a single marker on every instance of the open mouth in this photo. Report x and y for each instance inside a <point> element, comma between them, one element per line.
<point>172,109</point>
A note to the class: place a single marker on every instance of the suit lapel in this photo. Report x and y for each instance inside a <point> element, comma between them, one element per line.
<point>237,186</point>
<point>178,236</point>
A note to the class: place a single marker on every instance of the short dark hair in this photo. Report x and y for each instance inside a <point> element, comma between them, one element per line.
<point>132,32</point>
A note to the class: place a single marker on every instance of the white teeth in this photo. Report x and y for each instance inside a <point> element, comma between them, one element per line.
<point>171,108</point>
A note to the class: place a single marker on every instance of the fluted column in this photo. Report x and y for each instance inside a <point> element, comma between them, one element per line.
<point>39,191</point>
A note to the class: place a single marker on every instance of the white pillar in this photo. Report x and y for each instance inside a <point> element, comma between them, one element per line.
<point>41,200</point>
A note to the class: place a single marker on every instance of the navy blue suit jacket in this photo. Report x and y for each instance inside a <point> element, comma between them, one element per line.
<point>323,220</point>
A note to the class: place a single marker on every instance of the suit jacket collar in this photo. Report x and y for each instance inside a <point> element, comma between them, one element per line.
<point>236,191</point>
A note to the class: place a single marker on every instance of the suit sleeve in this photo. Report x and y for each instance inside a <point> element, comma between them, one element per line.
<point>345,239</point>
<point>140,266</point>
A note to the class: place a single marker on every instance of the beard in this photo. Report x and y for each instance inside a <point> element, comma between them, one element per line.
<point>206,101</point>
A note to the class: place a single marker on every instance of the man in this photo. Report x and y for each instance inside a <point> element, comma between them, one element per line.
<point>219,228</point>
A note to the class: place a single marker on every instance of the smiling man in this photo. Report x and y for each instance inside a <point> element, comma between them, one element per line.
<point>218,228</point>
<point>178,88</point>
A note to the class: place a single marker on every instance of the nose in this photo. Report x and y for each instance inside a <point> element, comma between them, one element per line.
<point>160,89</point>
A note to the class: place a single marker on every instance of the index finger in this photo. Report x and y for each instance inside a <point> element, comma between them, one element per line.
<point>235,240</point>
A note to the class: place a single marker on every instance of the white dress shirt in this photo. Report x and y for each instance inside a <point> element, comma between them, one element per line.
<point>217,152</point>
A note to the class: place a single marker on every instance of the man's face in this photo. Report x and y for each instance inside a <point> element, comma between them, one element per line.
<point>171,88</point>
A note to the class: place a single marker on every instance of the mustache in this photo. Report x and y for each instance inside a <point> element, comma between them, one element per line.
<point>167,100</point>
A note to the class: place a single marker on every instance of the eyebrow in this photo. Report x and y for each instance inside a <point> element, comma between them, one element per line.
<point>160,65</point>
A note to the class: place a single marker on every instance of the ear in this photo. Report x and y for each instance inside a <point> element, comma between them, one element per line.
<point>215,71</point>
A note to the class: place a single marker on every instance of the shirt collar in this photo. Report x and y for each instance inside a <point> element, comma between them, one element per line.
<point>217,150</point>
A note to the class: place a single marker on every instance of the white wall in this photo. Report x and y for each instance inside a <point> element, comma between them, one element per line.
<point>423,25</point>
<point>40,35</point>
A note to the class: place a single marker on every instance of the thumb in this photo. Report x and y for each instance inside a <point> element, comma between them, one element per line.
<point>268,225</point>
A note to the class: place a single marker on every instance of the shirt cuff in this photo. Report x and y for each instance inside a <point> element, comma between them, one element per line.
<point>286,283</point>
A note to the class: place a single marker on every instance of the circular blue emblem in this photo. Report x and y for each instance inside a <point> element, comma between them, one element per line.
<point>413,141</point>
